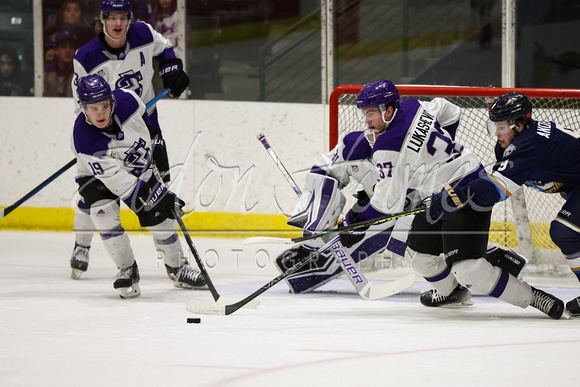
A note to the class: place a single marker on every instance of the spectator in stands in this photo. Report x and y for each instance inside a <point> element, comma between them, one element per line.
<point>11,83</point>
<point>58,74</point>
<point>164,19</point>
<point>71,17</point>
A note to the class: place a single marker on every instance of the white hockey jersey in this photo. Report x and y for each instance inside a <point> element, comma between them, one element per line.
<point>416,155</point>
<point>120,156</point>
<point>130,67</point>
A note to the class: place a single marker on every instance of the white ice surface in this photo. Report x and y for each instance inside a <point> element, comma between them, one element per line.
<point>55,331</point>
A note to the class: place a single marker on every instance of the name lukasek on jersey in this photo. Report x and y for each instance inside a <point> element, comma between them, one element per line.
<point>420,131</point>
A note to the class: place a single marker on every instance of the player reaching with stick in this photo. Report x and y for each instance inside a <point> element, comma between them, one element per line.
<point>113,146</point>
<point>388,160</point>
<point>123,54</point>
<point>525,153</point>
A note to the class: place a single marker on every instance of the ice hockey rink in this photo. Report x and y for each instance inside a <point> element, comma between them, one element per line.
<point>56,331</point>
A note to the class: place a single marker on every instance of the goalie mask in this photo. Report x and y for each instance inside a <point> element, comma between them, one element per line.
<point>379,94</point>
<point>93,89</point>
<point>511,107</point>
<point>115,6</point>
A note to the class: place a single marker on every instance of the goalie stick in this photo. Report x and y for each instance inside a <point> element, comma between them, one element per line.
<point>365,289</point>
<point>5,211</point>
<point>358,280</point>
<point>278,162</point>
<point>354,226</point>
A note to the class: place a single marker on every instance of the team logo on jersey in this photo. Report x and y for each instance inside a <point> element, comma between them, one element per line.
<point>354,168</point>
<point>130,80</point>
<point>138,157</point>
<point>101,73</point>
<point>509,150</point>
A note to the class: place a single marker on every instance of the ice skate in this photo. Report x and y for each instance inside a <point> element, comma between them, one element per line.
<point>573,307</point>
<point>127,282</point>
<point>79,261</point>
<point>547,303</point>
<point>458,297</point>
<point>186,277</point>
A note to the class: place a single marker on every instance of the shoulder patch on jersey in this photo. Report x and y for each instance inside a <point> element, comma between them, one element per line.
<point>88,139</point>
<point>126,105</point>
<point>509,150</point>
<point>356,147</point>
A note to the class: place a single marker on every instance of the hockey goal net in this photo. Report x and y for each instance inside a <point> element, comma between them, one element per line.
<point>529,235</point>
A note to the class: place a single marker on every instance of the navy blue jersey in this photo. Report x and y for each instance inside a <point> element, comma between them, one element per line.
<point>544,156</point>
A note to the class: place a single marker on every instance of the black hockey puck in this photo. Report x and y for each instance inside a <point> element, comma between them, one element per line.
<point>193,320</point>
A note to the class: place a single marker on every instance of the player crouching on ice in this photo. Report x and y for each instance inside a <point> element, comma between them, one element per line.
<point>112,143</point>
<point>322,202</point>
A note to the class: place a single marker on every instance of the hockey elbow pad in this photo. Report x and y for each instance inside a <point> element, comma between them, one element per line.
<point>173,76</point>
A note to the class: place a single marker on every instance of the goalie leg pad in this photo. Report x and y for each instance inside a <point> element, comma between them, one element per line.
<point>325,268</point>
<point>320,204</point>
<point>316,273</point>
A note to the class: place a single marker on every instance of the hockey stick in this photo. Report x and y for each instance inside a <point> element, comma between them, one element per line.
<point>354,226</point>
<point>196,306</point>
<point>362,285</point>
<point>157,98</point>
<point>5,211</point>
<point>220,301</point>
<point>281,166</point>
<point>358,280</point>
<point>12,207</point>
<point>365,289</point>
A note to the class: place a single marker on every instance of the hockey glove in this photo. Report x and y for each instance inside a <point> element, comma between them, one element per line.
<point>443,204</point>
<point>351,237</point>
<point>174,78</point>
<point>160,201</point>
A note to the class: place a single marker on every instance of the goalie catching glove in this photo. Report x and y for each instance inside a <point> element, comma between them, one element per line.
<point>173,76</point>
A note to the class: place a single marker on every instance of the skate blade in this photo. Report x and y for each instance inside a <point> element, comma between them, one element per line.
<point>130,292</point>
<point>457,304</point>
<point>76,273</point>
<point>189,287</point>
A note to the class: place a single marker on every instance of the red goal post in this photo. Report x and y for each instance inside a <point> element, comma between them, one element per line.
<point>510,225</point>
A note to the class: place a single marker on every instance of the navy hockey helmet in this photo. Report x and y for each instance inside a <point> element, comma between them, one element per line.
<point>378,94</point>
<point>511,107</point>
<point>116,6</point>
<point>93,89</point>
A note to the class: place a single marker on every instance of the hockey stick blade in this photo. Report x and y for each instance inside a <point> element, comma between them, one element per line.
<point>258,240</point>
<point>376,292</point>
<point>219,308</point>
<point>205,308</point>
